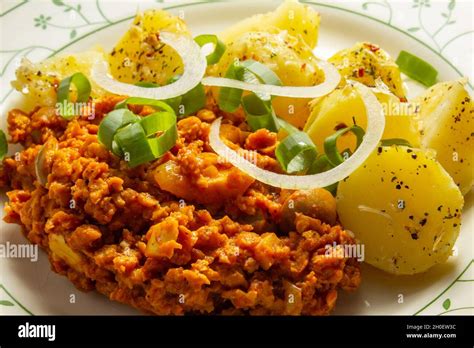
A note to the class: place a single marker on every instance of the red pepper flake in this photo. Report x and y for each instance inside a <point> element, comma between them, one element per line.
<point>372,47</point>
<point>361,71</point>
<point>403,100</point>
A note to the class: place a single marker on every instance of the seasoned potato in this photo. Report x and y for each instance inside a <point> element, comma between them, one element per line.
<point>137,57</point>
<point>140,56</point>
<point>38,81</point>
<point>403,207</point>
<point>365,62</point>
<point>447,126</point>
<point>290,58</point>
<point>299,20</point>
<point>283,40</point>
<point>343,106</point>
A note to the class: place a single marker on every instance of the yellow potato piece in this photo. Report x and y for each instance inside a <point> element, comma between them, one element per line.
<point>447,126</point>
<point>344,106</point>
<point>38,81</point>
<point>299,20</point>
<point>282,40</point>
<point>403,207</point>
<point>366,62</point>
<point>291,59</point>
<point>140,56</point>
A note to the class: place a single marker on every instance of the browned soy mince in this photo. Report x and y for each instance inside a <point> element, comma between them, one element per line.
<point>188,233</point>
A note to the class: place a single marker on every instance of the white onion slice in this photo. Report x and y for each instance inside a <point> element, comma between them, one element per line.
<point>331,80</point>
<point>194,62</point>
<point>375,128</point>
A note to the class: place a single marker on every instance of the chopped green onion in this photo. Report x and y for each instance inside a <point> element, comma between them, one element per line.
<point>296,152</point>
<point>251,78</point>
<point>288,127</point>
<point>147,84</point>
<point>116,150</point>
<point>156,122</point>
<point>332,188</point>
<point>395,141</point>
<point>134,144</point>
<point>262,72</point>
<point>320,164</point>
<point>134,138</point>
<point>259,113</point>
<point>219,47</point>
<point>3,145</point>
<point>256,72</point>
<point>157,104</point>
<point>230,98</point>
<point>417,68</point>
<point>189,103</point>
<point>249,71</point>
<point>83,88</point>
<point>193,101</point>
<point>111,123</point>
<point>138,142</point>
<point>330,143</point>
<point>160,122</point>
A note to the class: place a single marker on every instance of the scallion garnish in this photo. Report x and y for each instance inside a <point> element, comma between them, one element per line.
<point>248,71</point>
<point>157,104</point>
<point>134,144</point>
<point>3,145</point>
<point>417,68</point>
<point>219,47</point>
<point>183,105</point>
<point>319,165</point>
<point>330,144</point>
<point>296,152</point>
<point>190,102</point>
<point>230,98</point>
<point>259,113</point>
<point>395,141</point>
<point>147,84</point>
<point>162,122</point>
<point>83,91</point>
<point>262,72</point>
<point>114,120</point>
<point>135,139</point>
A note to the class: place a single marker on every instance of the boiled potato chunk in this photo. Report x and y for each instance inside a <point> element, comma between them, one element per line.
<point>291,59</point>
<point>299,20</point>
<point>343,106</point>
<point>38,81</point>
<point>403,207</point>
<point>366,62</point>
<point>282,40</point>
<point>447,126</point>
<point>140,56</point>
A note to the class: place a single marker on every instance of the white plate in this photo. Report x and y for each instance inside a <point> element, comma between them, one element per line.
<point>30,287</point>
